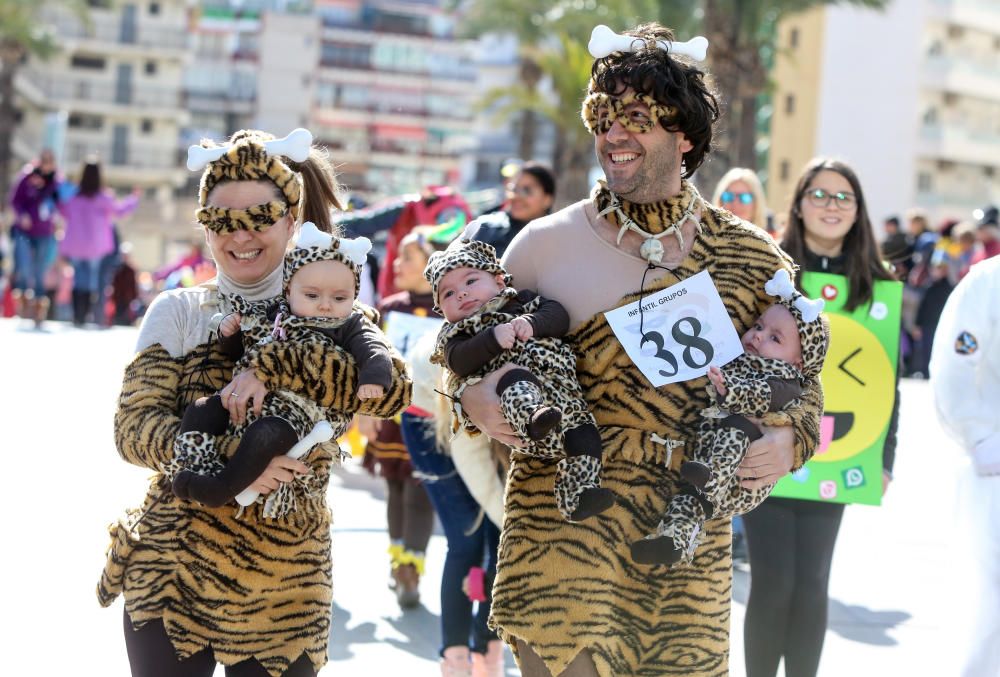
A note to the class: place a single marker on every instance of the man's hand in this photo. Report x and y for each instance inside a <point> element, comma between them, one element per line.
<point>280,469</point>
<point>230,324</point>
<point>370,391</point>
<point>523,329</point>
<point>769,458</point>
<point>504,334</point>
<point>482,405</point>
<point>241,391</point>
<point>718,380</point>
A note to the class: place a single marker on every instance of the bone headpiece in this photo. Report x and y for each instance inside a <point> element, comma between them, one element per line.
<point>604,41</point>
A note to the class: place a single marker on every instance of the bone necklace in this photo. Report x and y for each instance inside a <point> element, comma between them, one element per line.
<point>651,248</point>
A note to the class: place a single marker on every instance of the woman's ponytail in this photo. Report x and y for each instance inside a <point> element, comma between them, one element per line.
<point>320,190</point>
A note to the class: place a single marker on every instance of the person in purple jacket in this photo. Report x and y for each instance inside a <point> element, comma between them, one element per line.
<point>89,235</point>
<point>33,235</point>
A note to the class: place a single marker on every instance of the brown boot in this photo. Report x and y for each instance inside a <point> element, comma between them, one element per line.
<point>407,586</point>
<point>41,311</point>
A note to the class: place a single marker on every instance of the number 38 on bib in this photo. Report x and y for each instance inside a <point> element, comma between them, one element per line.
<point>676,334</point>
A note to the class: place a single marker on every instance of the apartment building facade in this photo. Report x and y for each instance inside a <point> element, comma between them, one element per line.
<point>910,97</point>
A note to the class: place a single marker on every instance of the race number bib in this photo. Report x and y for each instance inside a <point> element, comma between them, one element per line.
<point>685,330</point>
<point>404,330</point>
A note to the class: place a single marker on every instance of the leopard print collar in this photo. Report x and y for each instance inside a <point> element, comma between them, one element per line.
<point>654,220</point>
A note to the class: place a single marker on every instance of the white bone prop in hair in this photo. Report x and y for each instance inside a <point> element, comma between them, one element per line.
<point>781,286</point>
<point>295,146</point>
<point>320,433</point>
<point>604,41</point>
<point>355,250</point>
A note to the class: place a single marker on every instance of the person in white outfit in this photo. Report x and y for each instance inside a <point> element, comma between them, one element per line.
<point>965,376</point>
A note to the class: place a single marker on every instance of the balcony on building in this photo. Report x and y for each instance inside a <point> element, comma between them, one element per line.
<point>123,29</point>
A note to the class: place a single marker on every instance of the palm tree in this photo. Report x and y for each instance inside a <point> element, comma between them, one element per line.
<point>537,24</point>
<point>567,65</point>
<point>23,33</point>
<point>740,34</point>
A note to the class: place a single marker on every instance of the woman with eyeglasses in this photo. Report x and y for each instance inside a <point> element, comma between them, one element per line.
<point>791,541</point>
<point>740,192</point>
<point>530,194</point>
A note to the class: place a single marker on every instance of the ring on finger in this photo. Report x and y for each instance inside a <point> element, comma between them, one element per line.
<point>232,394</point>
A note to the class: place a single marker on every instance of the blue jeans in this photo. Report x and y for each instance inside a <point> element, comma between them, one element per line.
<point>32,258</point>
<point>458,511</point>
<point>86,275</point>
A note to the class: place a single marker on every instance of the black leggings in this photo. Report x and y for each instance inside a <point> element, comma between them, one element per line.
<point>150,654</point>
<point>791,549</point>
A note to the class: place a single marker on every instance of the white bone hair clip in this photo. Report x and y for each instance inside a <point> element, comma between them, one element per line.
<point>604,41</point>
<point>295,146</point>
<point>354,249</point>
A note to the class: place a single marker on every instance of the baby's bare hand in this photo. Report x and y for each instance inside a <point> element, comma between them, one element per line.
<point>718,380</point>
<point>369,391</point>
<point>230,324</point>
<point>523,328</point>
<point>504,334</point>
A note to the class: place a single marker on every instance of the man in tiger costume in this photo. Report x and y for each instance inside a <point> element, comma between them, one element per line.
<point>568,598</point>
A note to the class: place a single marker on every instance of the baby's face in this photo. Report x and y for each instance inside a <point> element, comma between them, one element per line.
<point>322,289</point>
<point>463,291</point>
<point>775,335</point>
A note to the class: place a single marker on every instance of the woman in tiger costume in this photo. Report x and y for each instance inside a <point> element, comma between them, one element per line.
<point>568,598</point>
<point>205,585</point>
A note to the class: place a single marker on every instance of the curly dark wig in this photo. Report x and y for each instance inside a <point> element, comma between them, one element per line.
<point>672,80</point>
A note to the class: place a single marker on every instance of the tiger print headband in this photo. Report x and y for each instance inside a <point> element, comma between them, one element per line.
<point>250,156</point>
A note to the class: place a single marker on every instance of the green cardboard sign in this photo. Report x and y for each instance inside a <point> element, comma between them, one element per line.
<point>859,387</point>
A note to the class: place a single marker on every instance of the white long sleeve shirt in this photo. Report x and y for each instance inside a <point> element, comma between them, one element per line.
<point>965,365</point>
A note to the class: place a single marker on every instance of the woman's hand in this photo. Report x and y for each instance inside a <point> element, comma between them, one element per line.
<point>718,380</point>
<point>482,405</point>
<point>769,458</point>
<point>241,391</point>
<point>370,391</point>
<point>369,426</point>
<point>280,469</point>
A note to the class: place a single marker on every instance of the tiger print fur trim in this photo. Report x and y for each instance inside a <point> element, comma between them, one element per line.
<point>256,218</point>
<point>654,217</point>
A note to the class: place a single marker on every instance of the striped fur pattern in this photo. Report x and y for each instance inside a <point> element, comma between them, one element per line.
<point>256,218</point>
<point>246,585</point>
<point>247,160</point>
<point>564,587</point>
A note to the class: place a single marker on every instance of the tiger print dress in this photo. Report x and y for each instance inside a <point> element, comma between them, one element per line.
<point>246,586</point>
<point>563,587</point>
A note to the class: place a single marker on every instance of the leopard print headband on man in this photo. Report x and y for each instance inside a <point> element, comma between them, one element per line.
<point>314,245</point>
<point>814,329</point>
<point>251,155</point>
<point>462,253</point>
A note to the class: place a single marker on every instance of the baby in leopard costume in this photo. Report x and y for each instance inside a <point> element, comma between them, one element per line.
<point>784,350</point>
<point>322,275</point>
<point>488,323</point>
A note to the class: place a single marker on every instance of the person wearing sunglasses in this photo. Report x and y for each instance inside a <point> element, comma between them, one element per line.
<point>529,195</point>
<point>740,192</point>
<point>791,541</point>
